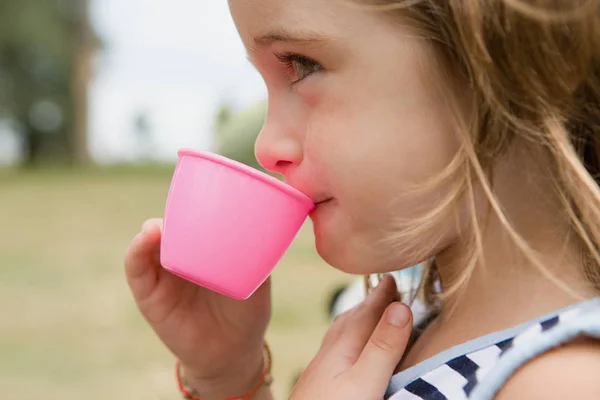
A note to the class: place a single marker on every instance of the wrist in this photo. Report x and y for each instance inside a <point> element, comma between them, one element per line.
<point>247,375</point>
<point>222,387</point>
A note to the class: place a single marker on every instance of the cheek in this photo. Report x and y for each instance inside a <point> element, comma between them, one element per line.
<point>382,127</point>
<point>326,131</point>
<point>371,163</point>
<point>371,160</point>
<point>377,149</point>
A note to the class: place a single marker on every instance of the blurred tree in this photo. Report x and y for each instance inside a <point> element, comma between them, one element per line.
<point>236,132</point>
<point>45,66</point>
<point>223,116</point>
<point>144,134</point>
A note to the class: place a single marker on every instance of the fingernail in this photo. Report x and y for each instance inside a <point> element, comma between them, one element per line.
<point>398,315</point>
<point>146,226</point>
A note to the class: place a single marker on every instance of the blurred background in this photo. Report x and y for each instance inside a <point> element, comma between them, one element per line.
<point>96,97</point>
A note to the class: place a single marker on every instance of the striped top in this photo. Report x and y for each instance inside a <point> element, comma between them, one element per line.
<point>477,369</point>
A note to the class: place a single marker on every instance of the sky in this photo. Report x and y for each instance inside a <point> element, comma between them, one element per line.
<point>176,61</point>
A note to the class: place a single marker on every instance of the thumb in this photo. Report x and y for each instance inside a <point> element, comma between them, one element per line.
<point>151,223</point>
<point>142,260</point>
<point>385,348</point>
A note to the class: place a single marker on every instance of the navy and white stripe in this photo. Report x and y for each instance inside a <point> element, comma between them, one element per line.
<point>456,378</point>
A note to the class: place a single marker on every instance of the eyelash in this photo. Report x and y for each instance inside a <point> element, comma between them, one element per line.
<point>288,60</point>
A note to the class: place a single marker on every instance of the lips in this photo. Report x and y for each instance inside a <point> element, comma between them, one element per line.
<point>323,201</point>
<point>317,197</point>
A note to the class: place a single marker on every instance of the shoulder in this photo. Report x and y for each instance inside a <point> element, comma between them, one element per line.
<point>567,372</point>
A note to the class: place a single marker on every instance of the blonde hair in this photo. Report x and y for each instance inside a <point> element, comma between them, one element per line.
<point>533,67</point>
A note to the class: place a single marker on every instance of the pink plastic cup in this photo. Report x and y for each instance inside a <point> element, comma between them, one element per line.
<point>227,225</point>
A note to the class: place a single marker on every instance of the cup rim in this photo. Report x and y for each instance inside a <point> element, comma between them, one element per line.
<point>240,167</point>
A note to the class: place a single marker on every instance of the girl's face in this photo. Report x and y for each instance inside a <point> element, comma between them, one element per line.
<point>354,121</point>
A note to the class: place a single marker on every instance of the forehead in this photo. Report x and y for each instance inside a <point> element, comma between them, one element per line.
<point>329,18</point>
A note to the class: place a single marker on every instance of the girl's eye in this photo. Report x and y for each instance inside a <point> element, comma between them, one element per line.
<point>298,67</point>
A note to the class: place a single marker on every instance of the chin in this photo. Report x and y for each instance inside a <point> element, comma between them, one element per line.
<point>343,252</point>
<point>328,250</point>
<point>342,247</point>
<point>340,254</point>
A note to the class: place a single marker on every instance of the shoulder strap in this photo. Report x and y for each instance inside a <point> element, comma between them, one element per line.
<point>583,321</point>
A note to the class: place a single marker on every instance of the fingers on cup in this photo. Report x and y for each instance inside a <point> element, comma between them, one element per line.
<point>151,224</point>
<point>142,259</point>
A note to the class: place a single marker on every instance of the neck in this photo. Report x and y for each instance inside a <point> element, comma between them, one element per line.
<point>506,287</point>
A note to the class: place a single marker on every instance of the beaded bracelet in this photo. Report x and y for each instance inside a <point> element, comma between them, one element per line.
<point>265,380</point>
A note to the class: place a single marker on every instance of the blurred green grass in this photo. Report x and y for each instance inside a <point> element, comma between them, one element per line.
<point>69,328</point>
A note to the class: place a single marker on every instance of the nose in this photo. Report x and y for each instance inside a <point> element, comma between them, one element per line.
<point>277,149</point>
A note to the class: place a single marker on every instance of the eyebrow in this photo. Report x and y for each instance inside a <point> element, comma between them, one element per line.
<point>280,35</point>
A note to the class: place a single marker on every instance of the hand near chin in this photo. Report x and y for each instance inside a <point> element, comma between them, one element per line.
<point>360,351</point>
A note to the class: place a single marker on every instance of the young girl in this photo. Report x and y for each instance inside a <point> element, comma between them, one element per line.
<point>465,132</point>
